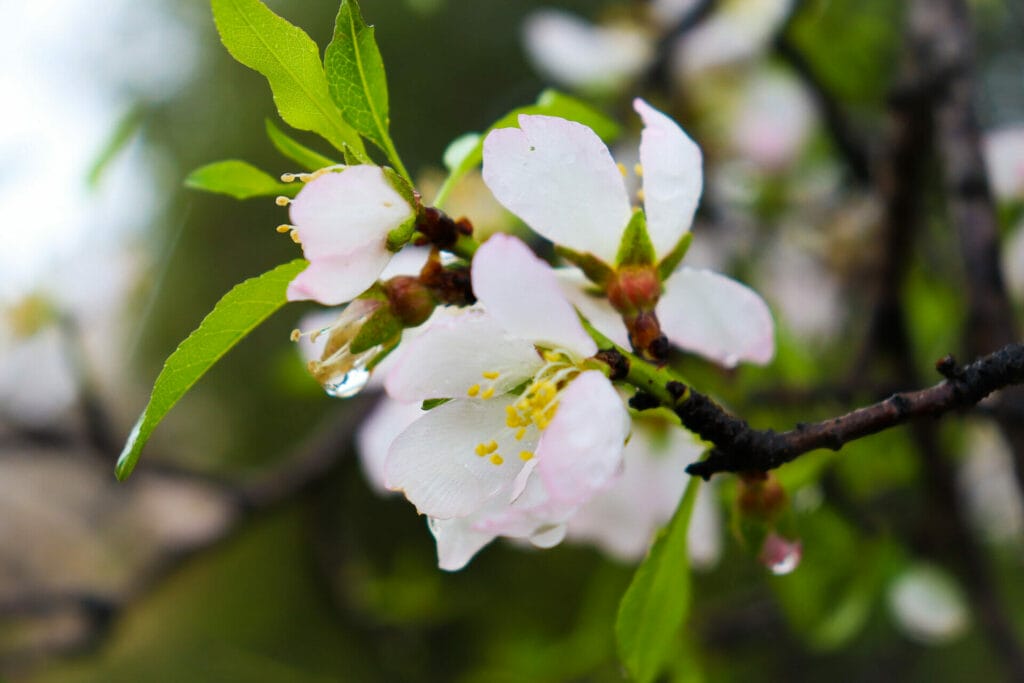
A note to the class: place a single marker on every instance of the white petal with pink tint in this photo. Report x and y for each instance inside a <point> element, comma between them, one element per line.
<point>716,317</point>
<point>338,212</point>
<point>376,434</point>
<point>332,280</point>
<point>580,453</point>
<point>457,541</point>
<point>452,355</point>
<point>522,293</point>
<point>595,308</point>
<point>434,462</point>
<point>672,177</point>
<point>561,180</point>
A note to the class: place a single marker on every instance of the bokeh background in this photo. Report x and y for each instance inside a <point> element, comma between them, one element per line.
<point>248,545</point>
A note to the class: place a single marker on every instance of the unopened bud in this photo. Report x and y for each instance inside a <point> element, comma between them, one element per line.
<point>634,289</point>
<point>410,300</point>
<point>761,497</point>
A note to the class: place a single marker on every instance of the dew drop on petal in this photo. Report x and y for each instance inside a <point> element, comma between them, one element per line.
<point>780,555</point>
<point>349,384</point>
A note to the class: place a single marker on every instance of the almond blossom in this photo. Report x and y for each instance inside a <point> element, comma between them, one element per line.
<point>530,432</point>
<point>342,220</point>
<point>559,178</point>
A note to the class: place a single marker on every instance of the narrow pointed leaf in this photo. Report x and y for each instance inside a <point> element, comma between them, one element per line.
<point>658,599</point>
<point>636,248</point>
<point>672,260</point>
<point>239,179</point>
<point>356,79</point>
<point>236,315</point>
<point>290,60</point>
<point>309,159</point>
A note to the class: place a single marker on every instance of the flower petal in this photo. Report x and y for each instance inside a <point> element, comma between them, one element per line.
<point>339,212</point>
<point>561,180</point>
<point>336,279</point>
<point>457,541</point>
<point>672,175</point>
<point>435,463</point>
<point>522,293</point>
<point>580,453</point>
<point>717,317</point>
<point>595,309</point>
<point>376,434</point>
<point>452,355</point>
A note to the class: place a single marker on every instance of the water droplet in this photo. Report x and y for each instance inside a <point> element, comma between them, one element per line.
<point>780,555</point>
<point>349,384</point>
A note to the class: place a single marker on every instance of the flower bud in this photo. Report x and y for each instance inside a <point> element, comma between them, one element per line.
<point>761,497</point>
<point>411,301</point>
<point>634,290</point>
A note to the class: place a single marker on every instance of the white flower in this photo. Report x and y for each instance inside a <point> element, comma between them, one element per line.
<point>1004,157</point>
<point>561,180</point>
<point>580,55</point>
<point>736,32</point>
<point>530,434</point>
<point>342,220</point>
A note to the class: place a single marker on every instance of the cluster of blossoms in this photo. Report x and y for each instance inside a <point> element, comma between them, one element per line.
<point>500,418</point>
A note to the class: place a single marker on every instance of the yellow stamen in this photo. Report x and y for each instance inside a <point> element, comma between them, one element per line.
<point>294,234</point>
<point>639,170</point>
<point>622,169</point>
<point>525,456</point>
<point>497,459</point>
<point>640,195</point>
<point>491,446</point>
<point>284,228</point>
<point>296,335</point>
<point>282,201</point>
<point>473,390</point>
<point>520,433</point>
<point>492,375</point>
<point>287,177</point>
<point>481,450</point>
<point>488,392</point>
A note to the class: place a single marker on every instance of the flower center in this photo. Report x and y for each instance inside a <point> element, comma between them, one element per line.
<point>537,405</point>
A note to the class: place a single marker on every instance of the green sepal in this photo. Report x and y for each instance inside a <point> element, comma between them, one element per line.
<point>384,353</point>
<point>239,179</point>
<point>309,159</point>
<point>636,248</point>
<point>431,403</point>
<point>669,264</point>
<point>596,270</point>
<point>401,235</point>
<point>383,327</point>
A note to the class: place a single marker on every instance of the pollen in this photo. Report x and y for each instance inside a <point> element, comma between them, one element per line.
<point>287,177</point>
<point>622,169</point>
<point>487,393</point>
<point>639,170</point>
<point>473,390</point>
<point>497,459</point>
<point>294,234</point>
<point>640,195</point>
<point>282,201</point>
<point>525,456</point>
<point>296,335</point>
<point>491,375</point>
<point>283,228</point>
<point>520,433</point>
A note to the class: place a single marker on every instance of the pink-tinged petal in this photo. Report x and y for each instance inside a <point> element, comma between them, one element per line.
<point>436,464</point>
<point>337,213</point>
<point>673,177</point>
<point>580,453</point>
<point>531,514</point>
<point>717,317</point>
<point>337,279</point>
<point>522,293</point>
<point>457,541</point>
<point>561,180</point>
<point>452,355</point>
<point>595,308</point>
<point>409,261</point>
<point>376,434</point>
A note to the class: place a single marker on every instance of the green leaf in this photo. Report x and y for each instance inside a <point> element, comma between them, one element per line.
<point>672,260</point>
<point>658,599</point>
<point>239,179</point>
<point>636,248</point>
<point>550,103</point>
<point>309,159</point>
<point>431,403</point>
<point>356,79</point>
<point>290,60</point>
<point>247,305</point>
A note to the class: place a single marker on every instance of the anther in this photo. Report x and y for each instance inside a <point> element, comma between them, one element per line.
<point>296,335</point>
<point>497,459</point>
<point>622,169</point>
<point>294,234</point>
<point>491,375</point>
<point>282,201</point>
<point>487,393</point>
<point>287,177</point>
<point>520,433</point>
<point>284,228</point>
<point>640,195</point>
<point>480,450</point>
<point>638,169</point>
<point>473,390</point>
<point>525,456</point>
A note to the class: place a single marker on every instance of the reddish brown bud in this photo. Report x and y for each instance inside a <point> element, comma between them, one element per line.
<point>761,497</point>
<point>411,302</point>
<point>634,289</point>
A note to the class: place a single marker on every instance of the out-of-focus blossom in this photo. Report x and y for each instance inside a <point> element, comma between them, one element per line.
<point>928,605</point>
<point>488,462</point>
<point>987,481</point>
<point>584,56</point>
<point>1004,157</point>
<point>561,180</point>
<point>779,554</point>
<point>773,120</point>
<point>342,220</point>
<point>1013,261</point>
<point>737,31</point>
<point>623,520</point>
